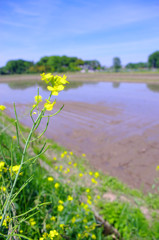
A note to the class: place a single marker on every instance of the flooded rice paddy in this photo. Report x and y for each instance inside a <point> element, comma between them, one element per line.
<point>115,124</point>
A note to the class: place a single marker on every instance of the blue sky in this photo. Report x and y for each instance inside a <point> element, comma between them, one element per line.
<point>101,30</point>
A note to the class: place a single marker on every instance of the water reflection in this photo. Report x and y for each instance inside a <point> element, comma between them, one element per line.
<point>153,87</point>
<point>116,84</point>
<point>26,84</point>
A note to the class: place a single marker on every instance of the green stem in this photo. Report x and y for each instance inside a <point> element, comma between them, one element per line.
<point>22,160</point>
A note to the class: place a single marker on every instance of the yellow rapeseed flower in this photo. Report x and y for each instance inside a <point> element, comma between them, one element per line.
<point>50,179</point>
<point>87,190</point>
<point>2,108</point>
<point>89,202</point>
<point>57,185</point>
<point>48,105</point>
<point>80,174</point>
<point>90,173</point>
<point>14,169</point>
<point>94,181</point>
<point>93,236</point>
<point>60,208</point>
<point>157,168</point>
<point>54,158</point>
<point>14,137</point>
<point>62,226</point>
<point>60,202</point>
<point>38,98</point>
<point>53,233</point>
<point>71,153</point>
<point>2,164</point>
<point>73,220</point>
<point>53,218</point>
<point>96,174</point>
<point>70,198</point>
<point>3,189</point>
<point>56,83</point>
<point>83,154</point>
<point>32,221</point>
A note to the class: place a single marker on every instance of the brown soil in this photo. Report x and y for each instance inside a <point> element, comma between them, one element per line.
<point>123,147</point>
<point>149,77</point>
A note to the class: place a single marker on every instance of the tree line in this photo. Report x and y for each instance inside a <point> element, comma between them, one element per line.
<point>49,64</point>
<point>72,64</point>
<point>153,62</point>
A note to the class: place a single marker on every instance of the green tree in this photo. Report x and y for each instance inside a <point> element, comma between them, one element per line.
<point>18,66</point>
<point>153,60</point>
<point>116,64</point>
<point>136,65</point>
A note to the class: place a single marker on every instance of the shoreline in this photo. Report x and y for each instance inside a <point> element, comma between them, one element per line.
<point>92,77</point>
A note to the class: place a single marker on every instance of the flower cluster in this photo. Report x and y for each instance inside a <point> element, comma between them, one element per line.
<point>56,83</point>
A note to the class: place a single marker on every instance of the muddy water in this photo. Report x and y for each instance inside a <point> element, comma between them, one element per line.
<point>116,125</point>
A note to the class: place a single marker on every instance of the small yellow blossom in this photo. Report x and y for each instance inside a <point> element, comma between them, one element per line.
<point>60,208</point>
<point>45,235</point>
<point>70,163</point>
<point>2,164</point>
<point>70,198</point>
<point>62,226</point>
<point>157,168</point>
<point>90,173</point>
<point>80,174</point>
<point>57,185</point>
<point>93,236</point>
<point>54,158</point>
<point>41,238</point>
<point>2,108</point>
<point>3,189</point>
<point>89,197</point>
<point>62,155</point>
<point>50,179</point>
<point>32,221</point>
<point>71,153</point>
<point>89,202</point>
<point>73,220</point>
<point>14,137</point>
<point>61,202</point>
<point>60,168</point>
<point>86,234</point>
<point>14,168</point>
<point>53,234</point>
<point>34,113</point>
<point>48,226</point>
<point>94,181</point>
<point>85,220</point>
<point>87,190</point>
<point>79,235</point>
<point>48,105</point>
<point>53,218</point>
<point>75,164</point>
<point>67,171</point>
<point>21,231</point>
<point>38,98</point>
<point>56,167</point>
<point>96,174</point>
<point>98,197</point>
<point>83,154</point>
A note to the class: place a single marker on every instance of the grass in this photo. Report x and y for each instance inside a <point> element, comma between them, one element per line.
<point>74,177</point>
